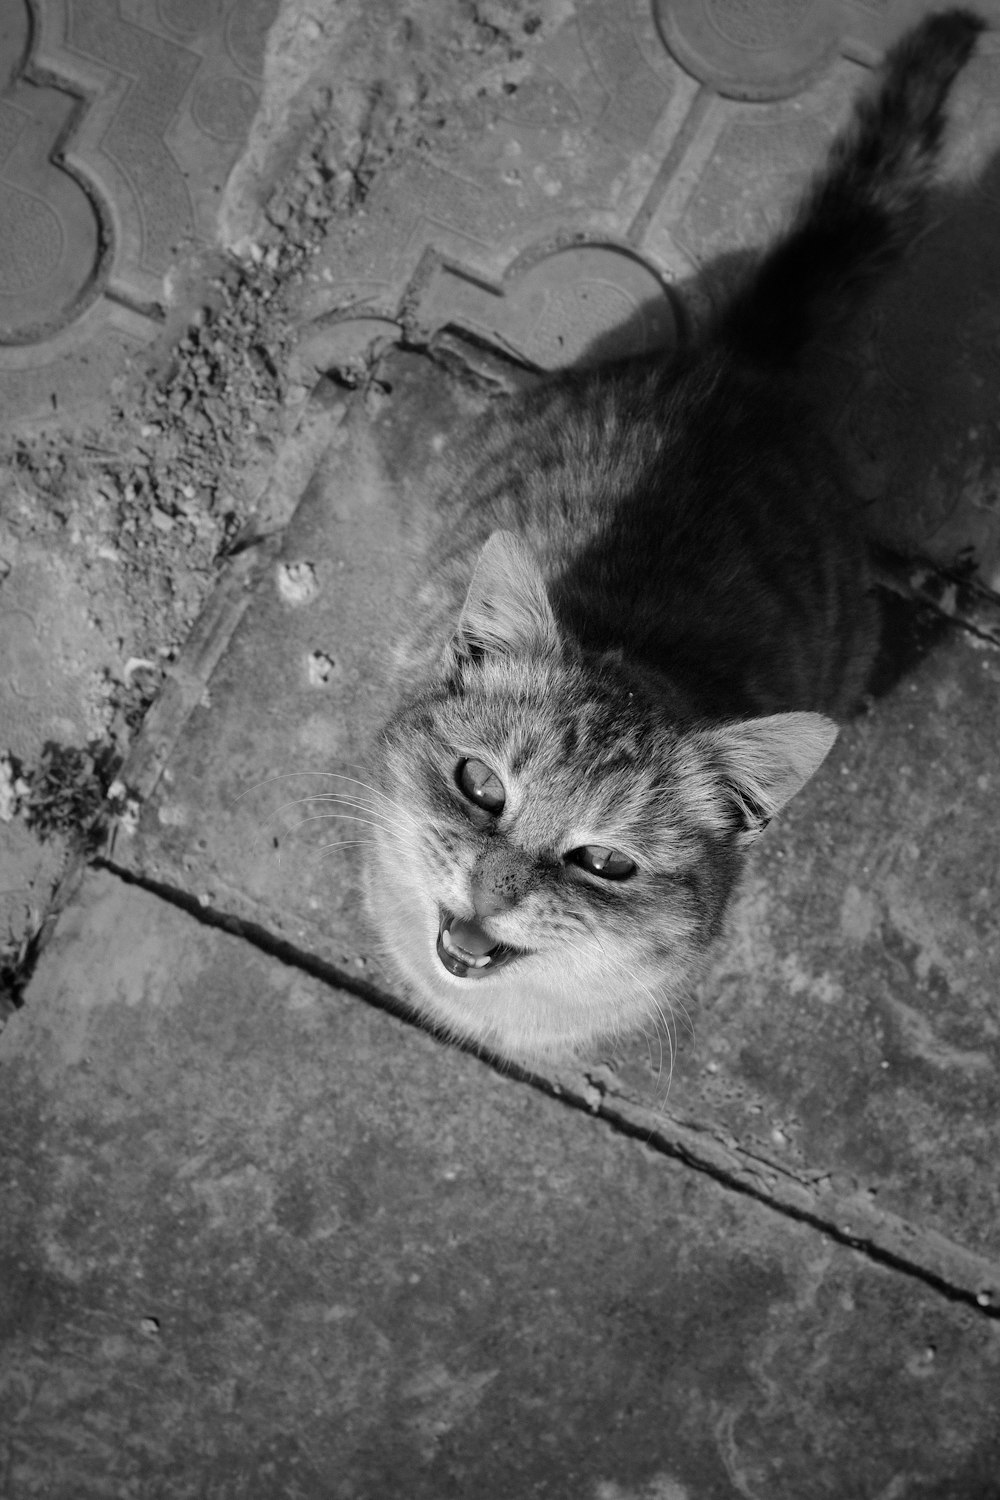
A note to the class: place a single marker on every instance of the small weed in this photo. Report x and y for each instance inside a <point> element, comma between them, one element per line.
<point>70,795</point>
<point>67,792</point>
<point>15,966</point>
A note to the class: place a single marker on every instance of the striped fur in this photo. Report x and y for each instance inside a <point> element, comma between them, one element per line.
<point>645,607</point>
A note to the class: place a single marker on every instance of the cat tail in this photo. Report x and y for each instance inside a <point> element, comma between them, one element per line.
<point>861,213</point>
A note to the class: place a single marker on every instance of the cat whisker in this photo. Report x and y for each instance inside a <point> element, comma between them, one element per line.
<point>376,802</point>
<point>341,844</point>
<point>376,798</point>
<point>341,816</point>
<point>321,797</point>
<point>377,793</point>
<point>327,817</point>
<point>679,1011</point>
<point>677,1007</point>
<point>378,819</point>
<point>362,804</point>
<point>665,1012</point>
<point>289,775</point>
<point>657,1067</point>
<point>663,1030</point>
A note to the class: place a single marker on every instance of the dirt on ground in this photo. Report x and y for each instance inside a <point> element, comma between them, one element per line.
<point>133,514</point>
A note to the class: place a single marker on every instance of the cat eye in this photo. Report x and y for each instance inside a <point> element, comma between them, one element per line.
<point>610,864</point>
<point>481,785</point>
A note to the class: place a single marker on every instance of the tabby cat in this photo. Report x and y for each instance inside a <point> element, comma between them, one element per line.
<point>643,612</point>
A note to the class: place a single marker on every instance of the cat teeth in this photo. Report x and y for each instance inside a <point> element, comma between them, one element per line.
<point>474,961</point>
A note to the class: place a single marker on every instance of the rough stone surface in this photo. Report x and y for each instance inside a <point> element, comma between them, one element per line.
<point>847,1032</point>
<point>258,1236</point>
<point>118,128</point>
<point>259,1239</point>
<point>600,202</point>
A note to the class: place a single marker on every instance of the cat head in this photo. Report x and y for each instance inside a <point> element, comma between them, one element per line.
<point>559,854</point>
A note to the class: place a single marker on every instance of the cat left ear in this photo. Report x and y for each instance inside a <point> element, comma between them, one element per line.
<point>771,759</point>
<point>506,610</point>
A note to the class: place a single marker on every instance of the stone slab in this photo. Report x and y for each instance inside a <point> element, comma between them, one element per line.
<point>849,1027</point>
<point>604,200</point>
<point>843,1053</point>
<point>909,394</point>
<point>772,50</point>
<point>119,125</point>
<point>258,1239</point>
<point>566,154</point>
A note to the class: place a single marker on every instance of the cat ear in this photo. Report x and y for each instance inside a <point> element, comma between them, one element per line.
<point>506,609</point>
<point>771,759</point>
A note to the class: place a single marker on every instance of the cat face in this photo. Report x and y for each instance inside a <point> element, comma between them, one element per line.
<point>557,856</point>
<point>539,882</point>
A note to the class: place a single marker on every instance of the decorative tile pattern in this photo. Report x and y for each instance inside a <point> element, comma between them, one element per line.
<point>665,146</point>
<point>598,206</point>
<point>751,51</point>
<point>567,160</point>
<point>119,123</point>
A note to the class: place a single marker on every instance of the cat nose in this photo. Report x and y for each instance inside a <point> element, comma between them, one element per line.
<point>499,881</point>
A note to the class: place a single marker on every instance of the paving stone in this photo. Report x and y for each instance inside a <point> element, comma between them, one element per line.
<point>258,1240</point>
<point>579,305</point>
<point>844,1054</point>
<point>568,156</point>
<point>776,48</point>
<point>752,52</point>
<point>118,129</point>
<point>261,1237</point>
<point>607,202</point>
<point>849,1026</point>
<point>52,670</point>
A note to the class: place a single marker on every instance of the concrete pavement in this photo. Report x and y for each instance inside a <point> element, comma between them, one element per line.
<point>260,1235</point>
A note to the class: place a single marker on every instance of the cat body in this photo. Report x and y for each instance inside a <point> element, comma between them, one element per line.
<point>644,607</point>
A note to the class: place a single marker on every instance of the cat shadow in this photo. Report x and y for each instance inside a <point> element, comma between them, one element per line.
<point>908,392</point>
<point>909,631</point>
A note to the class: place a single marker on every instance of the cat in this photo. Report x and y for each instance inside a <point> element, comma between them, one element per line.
<point>644,611</point>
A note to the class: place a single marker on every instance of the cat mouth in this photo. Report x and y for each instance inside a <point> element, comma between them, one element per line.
<point>467,950</point>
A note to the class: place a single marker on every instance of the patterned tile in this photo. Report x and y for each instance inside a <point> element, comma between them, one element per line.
<point>119,124</point>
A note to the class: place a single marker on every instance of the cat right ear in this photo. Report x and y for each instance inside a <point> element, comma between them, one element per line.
<point>770,759</point>
<point>506,609</point>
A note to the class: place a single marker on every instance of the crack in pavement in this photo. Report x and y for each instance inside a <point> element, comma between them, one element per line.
<point>956,1273</point>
